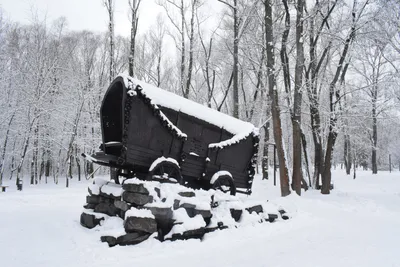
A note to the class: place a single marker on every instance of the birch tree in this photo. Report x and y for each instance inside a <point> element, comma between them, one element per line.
<point>134,6</point>
<point>109,4</point>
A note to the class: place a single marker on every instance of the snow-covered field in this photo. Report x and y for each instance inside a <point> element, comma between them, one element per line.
<point>357,225</point>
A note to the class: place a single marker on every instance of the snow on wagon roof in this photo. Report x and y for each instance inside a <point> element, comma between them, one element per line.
<point>170,100</point>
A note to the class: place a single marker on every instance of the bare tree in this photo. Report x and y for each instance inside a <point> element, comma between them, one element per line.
<point>235,73</point>
<point>180,27</point>
<point>335,98</point>
<point>110,9</point>
<point>375,69</point>
<point>277,128</point>
<point>134,6</point>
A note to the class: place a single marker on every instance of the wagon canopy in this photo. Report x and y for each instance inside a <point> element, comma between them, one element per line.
<point>238,128</point>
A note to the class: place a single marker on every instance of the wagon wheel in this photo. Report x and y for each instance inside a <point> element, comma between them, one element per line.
<point>225,184</point>
<point>114,174</point>
<point>166,171</point>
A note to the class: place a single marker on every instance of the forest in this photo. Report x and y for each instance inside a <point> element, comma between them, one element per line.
<point>320,78</point>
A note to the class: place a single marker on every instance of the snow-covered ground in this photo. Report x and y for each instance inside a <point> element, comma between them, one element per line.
<point>357,225</point>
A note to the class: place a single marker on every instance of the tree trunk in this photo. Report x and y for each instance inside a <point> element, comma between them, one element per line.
<point>110,8</point>
<point>48,166</point>
<point>12,164</point>
<point>296,119</point>
<point>32,172</point>
<point>41,170</point>
<point>35,158</point>
<point>235,61</point>
<point>327,175</point>
<point>304,143</point>
<point>72,140</point>
<point>347,154</point>
<point>23,153</point>
<point>78,163</point>
<point>312,89</point>
<point>374,133</point>
<point>191,48</point>
<point>134,25</point>
<point>264,162</point>
<point>277,128</point>
<point>183,52</point>
<point>3,153</point>
<point>334,99</point>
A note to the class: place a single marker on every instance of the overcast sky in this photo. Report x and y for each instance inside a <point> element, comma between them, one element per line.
<point>81,14</point>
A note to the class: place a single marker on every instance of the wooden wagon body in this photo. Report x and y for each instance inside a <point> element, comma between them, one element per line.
<point>143,125</point>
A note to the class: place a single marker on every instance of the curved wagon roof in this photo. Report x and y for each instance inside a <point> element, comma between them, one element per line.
<point>240,129</point>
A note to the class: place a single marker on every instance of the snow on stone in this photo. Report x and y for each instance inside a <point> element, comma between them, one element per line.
<point>222,214</point>
<point>139,213</point>
<point>149,185</point>
<point>161,159</point>
<point>159,205</point>
<point>133,181</point>
<point>99,181</point>
<point>219,174</point>
<point>251,218</point>
<point>219,196</point>
<point>170,100</point>
<point>270,208</point>
<point>96,214</point>
<point>185,223</point>
<point>94,188</point>
<point>201,204</point>
<point>112,226</point>
<point>112,189</point>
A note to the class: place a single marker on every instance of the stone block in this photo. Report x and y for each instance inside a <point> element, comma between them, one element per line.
<point>138,224</point>
<point>93,199</point>
<point>132,238</point>
<point>89,220</point>
<point>111,240</point>
<point>257,209</point>
<point>206,214</point>
<point>122,205</point>
<point>190,209</point>
<point>90,206</point>
<point>106,208</point>
<point>136,199</point>
<point>236,214</point>
<point>187,194</point>
<point>272,217</point>
<point>190,234</point>
<point>136,188</point>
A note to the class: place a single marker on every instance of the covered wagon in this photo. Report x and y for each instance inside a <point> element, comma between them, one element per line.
<point>153,134</point>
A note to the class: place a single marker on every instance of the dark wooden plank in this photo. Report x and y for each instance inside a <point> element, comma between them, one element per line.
<point>132,147</point>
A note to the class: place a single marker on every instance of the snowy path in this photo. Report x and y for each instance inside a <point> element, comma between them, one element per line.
<point>357,225</point>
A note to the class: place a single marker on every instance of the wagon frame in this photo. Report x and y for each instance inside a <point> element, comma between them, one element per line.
<point>153,134</point>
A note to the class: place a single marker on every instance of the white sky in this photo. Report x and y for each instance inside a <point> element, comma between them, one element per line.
<point>81,14</point>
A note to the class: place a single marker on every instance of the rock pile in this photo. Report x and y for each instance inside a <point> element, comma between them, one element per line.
<point>139,209</point>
